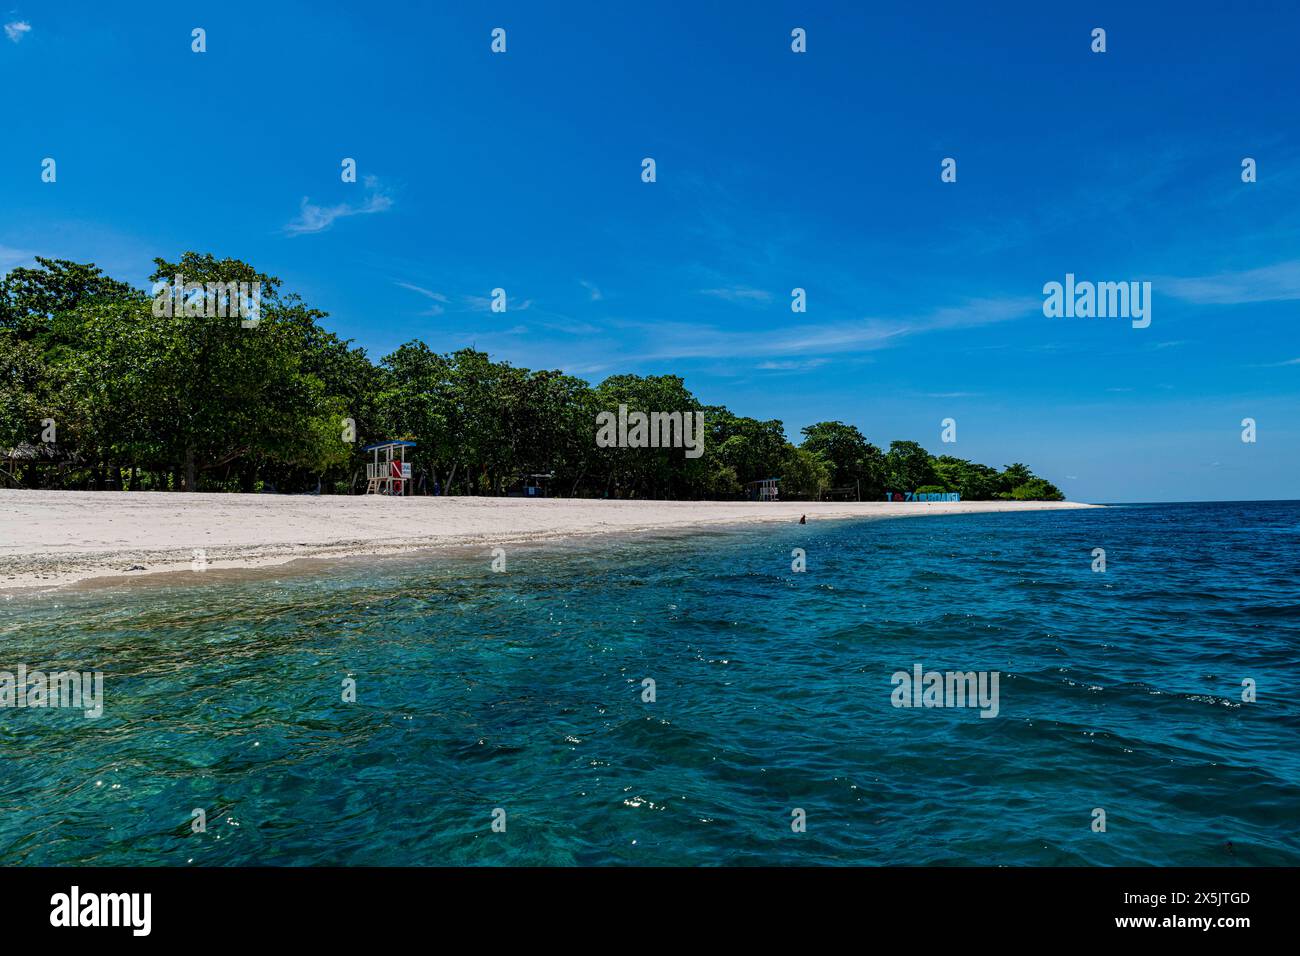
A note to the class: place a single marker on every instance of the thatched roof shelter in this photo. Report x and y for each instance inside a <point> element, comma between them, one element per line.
<point>27,452</point>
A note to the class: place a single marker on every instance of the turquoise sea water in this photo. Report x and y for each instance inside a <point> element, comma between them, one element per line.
<point>477,690</point>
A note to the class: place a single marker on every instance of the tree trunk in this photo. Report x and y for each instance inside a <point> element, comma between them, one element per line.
<point>189,469</point>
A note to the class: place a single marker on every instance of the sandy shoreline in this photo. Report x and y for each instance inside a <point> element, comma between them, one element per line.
<point>54,538</point>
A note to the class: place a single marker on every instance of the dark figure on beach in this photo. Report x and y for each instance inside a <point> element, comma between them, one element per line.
<point>803,519</point>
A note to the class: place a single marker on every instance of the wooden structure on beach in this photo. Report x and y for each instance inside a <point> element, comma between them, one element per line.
<point>851,492</point>
<point>765,489</point>
<point>33,460</point>
<point>389,473</point>
<point>531,486</point>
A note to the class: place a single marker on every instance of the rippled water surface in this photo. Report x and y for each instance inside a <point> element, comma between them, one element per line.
<point>476,690</point>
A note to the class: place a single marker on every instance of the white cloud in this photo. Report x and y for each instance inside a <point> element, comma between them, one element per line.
<point>1275,283</point>
<point>437,296</point>
<point>791,366</point>
<point>16,30</point>
<point>11,258</point>
<point>596,295</point>
<point>313,218</point>
<point>677,340</point>
<point>739,293</point>
<point>482,303</point>
<point>439,300</point>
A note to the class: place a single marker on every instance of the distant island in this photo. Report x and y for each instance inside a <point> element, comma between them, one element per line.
<point>102,389</point>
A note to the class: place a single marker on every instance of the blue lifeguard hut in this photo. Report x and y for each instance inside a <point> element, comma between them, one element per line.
<point>389,473</point>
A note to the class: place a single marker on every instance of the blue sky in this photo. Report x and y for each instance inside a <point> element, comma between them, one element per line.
<point>775,170</point>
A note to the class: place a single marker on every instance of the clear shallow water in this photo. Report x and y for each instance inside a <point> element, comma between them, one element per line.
<point>523,691</point>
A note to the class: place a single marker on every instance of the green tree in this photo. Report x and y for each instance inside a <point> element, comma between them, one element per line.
<point>1037,489</point>
<point>31,298</point>
<point>804,474</point>
<point>908,466</point>
<point>1013,476</point>
<point>973,481</point>
<point>649,472</point>
<point>186,400</point>
<point>853,460</point>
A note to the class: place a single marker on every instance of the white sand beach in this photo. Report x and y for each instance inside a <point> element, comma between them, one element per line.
<point>53,538</point>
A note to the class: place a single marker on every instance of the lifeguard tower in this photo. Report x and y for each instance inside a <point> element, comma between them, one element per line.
<point>765,489</point>
<point>390,472</point>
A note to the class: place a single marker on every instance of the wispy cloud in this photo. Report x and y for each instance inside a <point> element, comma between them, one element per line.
<point>594,292</point>
<point>483,303</point>
<point>769,351</point>
<point>739,293</point>
<point>313,218</point>
<point>1294,361</point>
<point>17,29</point>
<point>11,258</point>
<point>791,365</point>
<point>680,340</point>
<point>439,300</point>
<point>1275,283</point>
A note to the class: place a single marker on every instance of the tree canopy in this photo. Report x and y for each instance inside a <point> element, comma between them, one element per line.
<point>122,397</point>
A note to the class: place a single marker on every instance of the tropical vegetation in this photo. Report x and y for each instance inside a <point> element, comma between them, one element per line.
<point>98,391</point>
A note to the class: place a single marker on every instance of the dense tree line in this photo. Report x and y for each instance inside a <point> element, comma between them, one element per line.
<point>97,390</point>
